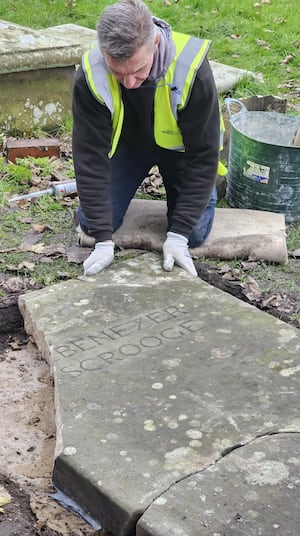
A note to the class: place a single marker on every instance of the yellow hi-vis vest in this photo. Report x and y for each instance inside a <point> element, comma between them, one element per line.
<point>171,95</point>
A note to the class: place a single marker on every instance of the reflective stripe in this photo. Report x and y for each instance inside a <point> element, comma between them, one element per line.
<point>171,94</point>
<point>187,64</point>
<point>97,77</point>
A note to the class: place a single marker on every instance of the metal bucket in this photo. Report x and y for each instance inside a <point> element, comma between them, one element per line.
<point>264,162</point>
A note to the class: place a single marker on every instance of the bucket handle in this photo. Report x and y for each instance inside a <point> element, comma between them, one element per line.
<point>241,107</point>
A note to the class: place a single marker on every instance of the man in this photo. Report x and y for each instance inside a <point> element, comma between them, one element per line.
<point>144,95</point>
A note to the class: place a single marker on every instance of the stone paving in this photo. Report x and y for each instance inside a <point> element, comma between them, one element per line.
<point>177,405</point>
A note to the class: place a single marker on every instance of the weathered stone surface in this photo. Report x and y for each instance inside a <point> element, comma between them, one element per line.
<point>35,99</point>
<point>252,490</point>
<point>157,376</point>
<point>36,77</point>
<point>37,148</point>
<point>24,49</point>
<point>37,69</point>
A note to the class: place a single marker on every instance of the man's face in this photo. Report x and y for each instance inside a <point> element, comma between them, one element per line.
<point>133,72</point>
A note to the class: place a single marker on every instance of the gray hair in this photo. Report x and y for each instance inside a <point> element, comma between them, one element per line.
<point>124,27</point>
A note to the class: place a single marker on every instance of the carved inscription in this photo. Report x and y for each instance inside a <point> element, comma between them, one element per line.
<point>95,352</point>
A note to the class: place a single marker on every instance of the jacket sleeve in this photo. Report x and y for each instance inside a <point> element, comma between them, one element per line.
<point>200,126</point>
<point>91,144</point>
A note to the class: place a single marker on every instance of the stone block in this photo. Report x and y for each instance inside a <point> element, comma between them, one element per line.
<point>36,77</point>
<point>252,490</point>
<point>158,376</point>
<point>42,147</point>
<point>39,99</point>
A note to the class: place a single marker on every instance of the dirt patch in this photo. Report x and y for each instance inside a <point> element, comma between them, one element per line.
<point>27,442</point>
<point>249,282</point>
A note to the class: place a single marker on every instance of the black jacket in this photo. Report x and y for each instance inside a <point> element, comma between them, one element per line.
<point>200,126</point>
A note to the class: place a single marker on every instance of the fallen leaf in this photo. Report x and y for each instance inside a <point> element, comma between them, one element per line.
<point>235,36</point>
<point>249,265</point>
<point>295,253</point>
<point>25,219</point>
<point>233,275</point>
<point>63,275</point>
<point>251,289</point>
<point>287,59</point>
<point>36,181</point>
<point>37,248</point>
<point>167,3</point>
<point>40,227</point>
<point>46,260</point>
<point>15,344</point>
<point>5,497</point>
<point>30,238</point>
<point>54,249</point>
<point>224,269</point>
<point>8,250</point>
<point>28,265</point>
<point>77,255</point>
<point>17,284</point>
<point>262,43</point>
<point>283,303</point>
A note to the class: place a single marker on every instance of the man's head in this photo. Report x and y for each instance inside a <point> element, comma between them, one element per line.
<point>128,38</point>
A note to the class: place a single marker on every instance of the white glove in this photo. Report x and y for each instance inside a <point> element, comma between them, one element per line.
<point>102,256</point>
<point>175,251</point>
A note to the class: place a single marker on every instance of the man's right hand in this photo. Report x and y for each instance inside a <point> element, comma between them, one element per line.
<point>102,256</point>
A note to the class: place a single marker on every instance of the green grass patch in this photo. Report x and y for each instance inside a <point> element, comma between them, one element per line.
<point>257,36</point>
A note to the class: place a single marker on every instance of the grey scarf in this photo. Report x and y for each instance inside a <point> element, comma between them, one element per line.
<point>164,53</point>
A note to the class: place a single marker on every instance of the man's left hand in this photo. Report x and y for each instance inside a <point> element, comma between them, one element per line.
<point>175,251</point>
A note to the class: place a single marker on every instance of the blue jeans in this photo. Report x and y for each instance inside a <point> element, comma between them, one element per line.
<point>130,166</point>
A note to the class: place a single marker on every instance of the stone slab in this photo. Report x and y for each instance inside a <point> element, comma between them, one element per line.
<point>37,69</point>
<point>157,376</point>
<point>236,233</point>
<point>253,490</point>
<point>39,99</point>
<point>24,49</point>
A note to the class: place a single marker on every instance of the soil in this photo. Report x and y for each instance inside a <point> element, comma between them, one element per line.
<point>27,442</point>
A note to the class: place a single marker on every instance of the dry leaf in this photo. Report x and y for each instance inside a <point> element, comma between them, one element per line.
<point>167,3</point>
<point>295,253</point>
<point>37,248</point>
<point>5,497</point>
<point>55,249</point>
<point>36,181</point>
<point>287,59</point>
<point>46,260</point>
<point>8,250</point>
<point>262,43</point>
<point>28,265</point>
<point>13,284</point>
<point>39,227</point>
<point>251,289</point>
<point>11,268</point>
<point>237,36</point>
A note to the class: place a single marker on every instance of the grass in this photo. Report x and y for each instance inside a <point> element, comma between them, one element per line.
<point>257,36</point>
